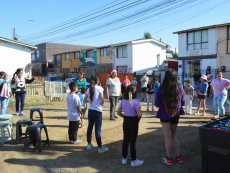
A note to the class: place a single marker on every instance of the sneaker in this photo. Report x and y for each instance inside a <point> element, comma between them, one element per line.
<point>116,117</point>
<point>89,146</point>
<point>167,161</point>
<point>190,113</point>
<point>147,110</point>
<point>21,113</point>
<point>70,141</point>
<point>180,159</point>
<point>137,162</point>
<point>102,149</point>
<point>17,113</point>
<point>216,116</point>
<point>77,141</point>
<point>152,109</point>
<point>113,119</point>
<point>83,126</point>
<point>124,161</point>
<point>80,125</point>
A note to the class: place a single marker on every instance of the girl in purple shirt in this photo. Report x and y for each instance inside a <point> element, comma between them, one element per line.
<point>132,115</point>
<point>170,100</point>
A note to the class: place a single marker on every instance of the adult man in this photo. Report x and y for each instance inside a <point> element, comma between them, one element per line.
<point>144,82</point>
<point>196,78</point>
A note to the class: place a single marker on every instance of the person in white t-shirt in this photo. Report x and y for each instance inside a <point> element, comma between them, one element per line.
<point>94,96</point>
<point>74,112</point>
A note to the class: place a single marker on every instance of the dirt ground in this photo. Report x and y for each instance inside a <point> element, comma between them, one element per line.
<point>65,157</point>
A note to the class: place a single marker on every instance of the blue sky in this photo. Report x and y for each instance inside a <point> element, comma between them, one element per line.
<point>161,22</point>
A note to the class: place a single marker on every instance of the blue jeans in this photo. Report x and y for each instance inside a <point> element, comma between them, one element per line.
<point>4,104</point>
<point>94,117</point>
<point>218,103</point>
<point>19,96</point>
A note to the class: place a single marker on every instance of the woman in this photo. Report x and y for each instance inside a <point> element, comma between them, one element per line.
<point>202,92</point>
<point>113,91</point>
<point>125,83</point>
<point>5,91</point>
<point>209,80</point>
<point>170,100</point>
<point>132,115</point>
<point>94,96</point>
<point>220,87</point>
<point>81,81</point>
<point>20,89</point>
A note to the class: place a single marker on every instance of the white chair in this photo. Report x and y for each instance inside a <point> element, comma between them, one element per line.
<point>3,125</point>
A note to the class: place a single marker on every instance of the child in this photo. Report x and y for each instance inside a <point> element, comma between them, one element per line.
<point>170,100</point>
<point>156,86</point>
<point>134,81</point>
<point>150,96</point>
<point>74,112</point>
<point>94,96</point>
<point>189,94</point>
<point>84,106</point>
<point>202,92</point>
<point>132,115</point>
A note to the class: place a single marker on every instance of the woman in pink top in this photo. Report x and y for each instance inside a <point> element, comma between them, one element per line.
<point>209,80</point>
<point>125,83</point>
<point>219,87</point>
<point>132,115</point>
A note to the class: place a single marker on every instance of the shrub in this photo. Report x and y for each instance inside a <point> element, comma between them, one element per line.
<point>11,102</point>
<point>46,102</point>
<point>34,103</point>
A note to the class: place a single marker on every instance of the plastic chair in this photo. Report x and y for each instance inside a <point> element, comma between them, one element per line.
<point>39,110</point>
<point>6,117</point>
<point>19,133</point>
<point>3,125</point>
<point>36,131</point>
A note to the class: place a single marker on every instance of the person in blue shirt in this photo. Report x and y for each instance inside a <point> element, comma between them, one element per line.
<point>84,106</point>
<point>157,85</point>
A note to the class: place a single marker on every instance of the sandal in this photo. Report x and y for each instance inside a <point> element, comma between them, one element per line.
<point>204,114</point>
<point>196,113</point>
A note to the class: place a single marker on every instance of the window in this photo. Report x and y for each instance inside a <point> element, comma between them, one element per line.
<point>33,57</point>
<point>158,59</point>
<point>104,51</point>
<point>190,66</point>
<point>197,40</point>
<point>121,69</point>
<point>89,54</point>
<point>76,70</point>
<point>66,70</point>
<point>37,53</point>
<point>43,50</point>
<point>67,57</point>
<point>77,55</point>
<point>122,52</point>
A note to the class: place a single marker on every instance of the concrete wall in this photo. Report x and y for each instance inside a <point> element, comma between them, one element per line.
<point>145,55</point>
<point>104,59</point>
<point>13,56</point>
<point>223,59</point>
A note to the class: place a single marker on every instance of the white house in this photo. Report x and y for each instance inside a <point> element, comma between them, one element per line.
<point>137,55</point>
<point>13,55</point>
<point>197,50</point>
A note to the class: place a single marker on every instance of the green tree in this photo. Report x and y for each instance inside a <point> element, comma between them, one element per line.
<point>176,53</point>
<point>147,35</point>
<point>160,40</point>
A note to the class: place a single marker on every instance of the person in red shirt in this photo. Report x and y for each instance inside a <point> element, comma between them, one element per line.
<point>125,83</point>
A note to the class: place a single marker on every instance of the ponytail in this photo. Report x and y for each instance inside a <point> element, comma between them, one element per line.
<point>17,71</point>
<point>95,80</point>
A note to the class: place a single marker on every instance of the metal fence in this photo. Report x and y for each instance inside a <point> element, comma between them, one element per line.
<point>55,91</point>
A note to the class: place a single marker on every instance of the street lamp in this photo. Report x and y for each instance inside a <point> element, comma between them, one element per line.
<point>14,34</point>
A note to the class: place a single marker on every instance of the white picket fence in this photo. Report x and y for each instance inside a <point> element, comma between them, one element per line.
<point>55,91</point>
<point>36,88</point>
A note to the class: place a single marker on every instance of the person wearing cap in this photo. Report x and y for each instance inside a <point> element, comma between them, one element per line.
<point>144,82</point>
<point>202,92</point>
<point>113,91</point>
<point>219,87</point>
<point>134,81</point>
<point>189,93</point>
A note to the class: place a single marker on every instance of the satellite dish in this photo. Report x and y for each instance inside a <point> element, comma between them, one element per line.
<point>28,68</point>
<point>108,52</point>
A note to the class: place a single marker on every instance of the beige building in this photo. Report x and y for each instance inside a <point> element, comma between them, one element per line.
<point>104,55</point>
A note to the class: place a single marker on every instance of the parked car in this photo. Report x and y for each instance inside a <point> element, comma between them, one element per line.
<point>68,80</point>
<point>53,79</point>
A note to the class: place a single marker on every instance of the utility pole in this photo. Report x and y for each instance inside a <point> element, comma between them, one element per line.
<point>14,30</point>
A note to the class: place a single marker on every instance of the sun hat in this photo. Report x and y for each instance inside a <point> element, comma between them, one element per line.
<point>111,72</point>
<point>204,77</point>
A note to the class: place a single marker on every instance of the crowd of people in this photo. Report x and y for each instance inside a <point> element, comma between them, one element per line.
<point>169,97</point>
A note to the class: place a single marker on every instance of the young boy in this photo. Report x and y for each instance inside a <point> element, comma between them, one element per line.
<point>84,106</point>
<point>74,112</point>
<point>156,86</point>
<point>134,81</point>
<point>189,94</point>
